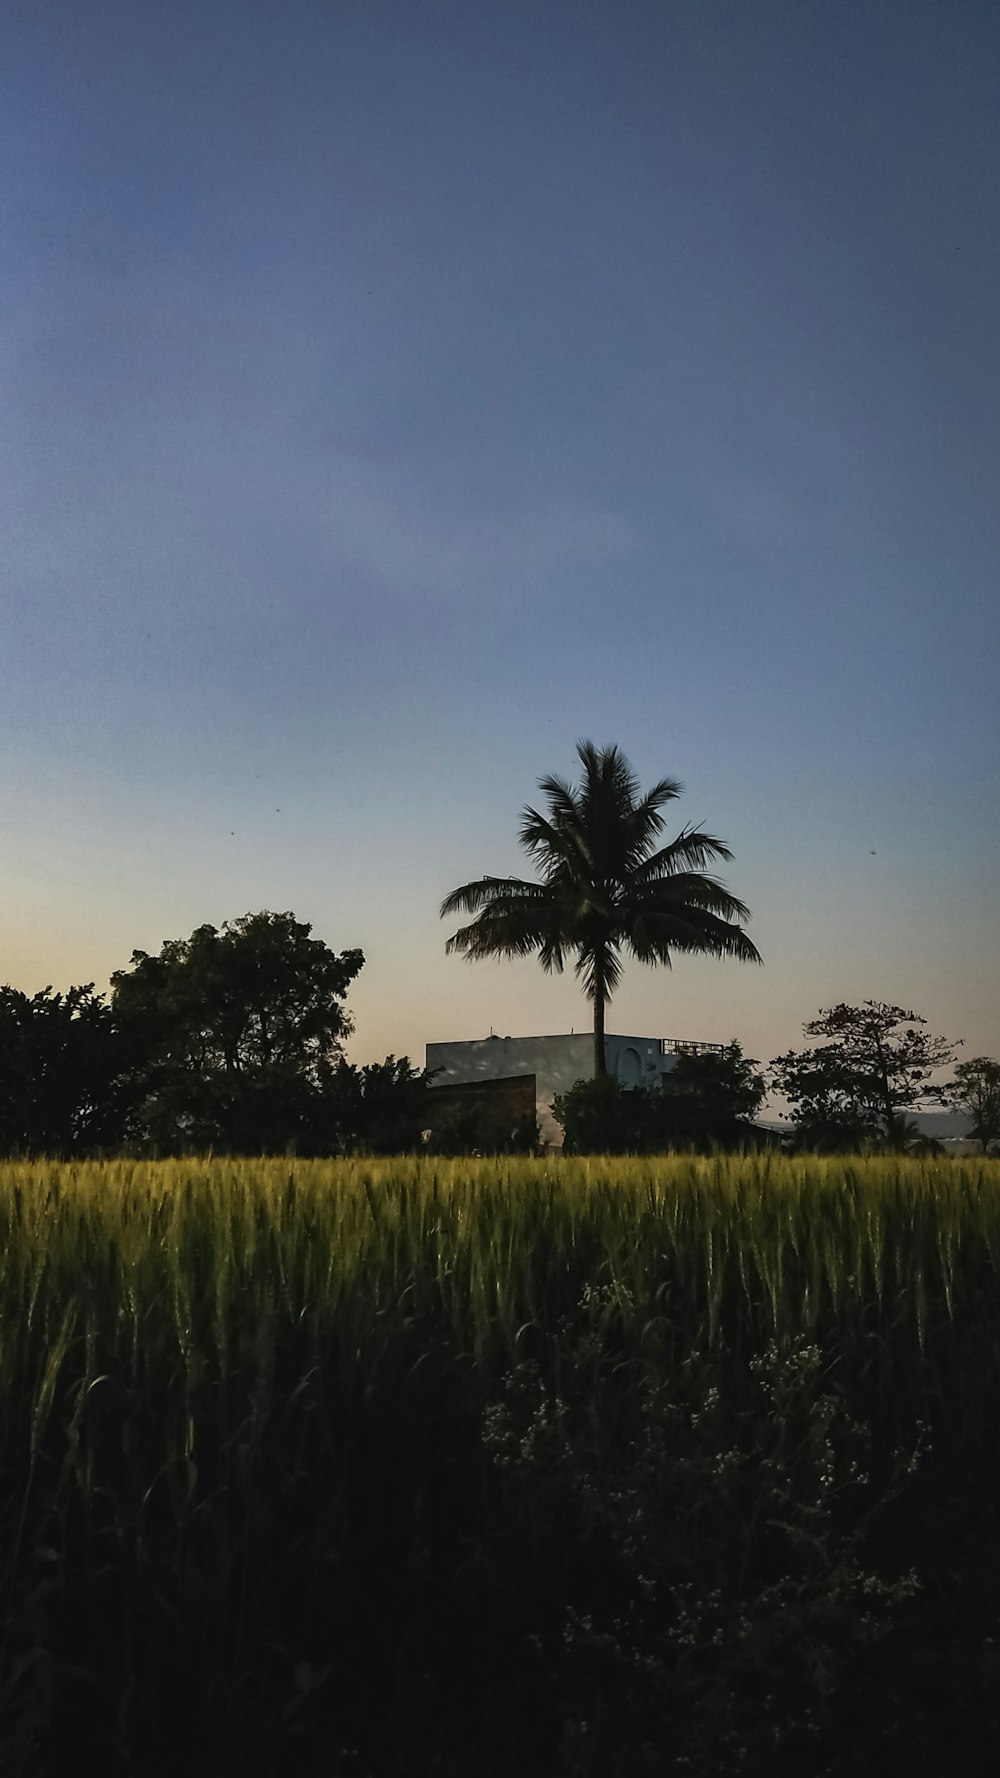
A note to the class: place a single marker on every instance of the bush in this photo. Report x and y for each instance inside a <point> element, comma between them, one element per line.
<point>482,1129</point>
<point>603,1117</point>
<point>706,1102</point>
<point>415,1469</point>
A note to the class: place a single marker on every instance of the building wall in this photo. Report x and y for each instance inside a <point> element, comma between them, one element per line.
<point>507,1099</point>
<point>556,1063</point>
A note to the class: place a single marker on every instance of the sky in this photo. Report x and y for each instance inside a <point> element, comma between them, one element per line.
<point>395,392</point>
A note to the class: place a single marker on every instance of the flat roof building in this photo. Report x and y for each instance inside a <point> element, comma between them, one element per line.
<point>555,1064</point>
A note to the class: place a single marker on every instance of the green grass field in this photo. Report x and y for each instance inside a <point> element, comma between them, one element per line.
<point>201,1258</point>
<point>533,1466</point>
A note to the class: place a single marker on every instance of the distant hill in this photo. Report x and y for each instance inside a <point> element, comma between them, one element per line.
<point>944,1126</point>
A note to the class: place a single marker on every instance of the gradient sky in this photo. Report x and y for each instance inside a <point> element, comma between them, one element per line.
<point>395,393</point>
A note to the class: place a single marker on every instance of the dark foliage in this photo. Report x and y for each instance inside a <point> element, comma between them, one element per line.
<point>755,1563</point>
<point>600,1116</point>
<point>482,1129</point>
<point>976,1091</point>
<point>856,1088</point>
<point>706,1102</point>
<point>67,1082</point>
<point>712,1099</point>
<point>607,886</point>
<point>380,1108</point>
<point>237,1032</point>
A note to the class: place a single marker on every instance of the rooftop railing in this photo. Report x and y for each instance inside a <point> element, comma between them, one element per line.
<point>683,1046</point>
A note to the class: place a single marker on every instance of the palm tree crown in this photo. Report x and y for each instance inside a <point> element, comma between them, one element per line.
<point>605,885</point>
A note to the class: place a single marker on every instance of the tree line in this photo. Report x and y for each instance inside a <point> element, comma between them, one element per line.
<point>608,886</point>
<point>232,1039</point>
<point>857,1091</point>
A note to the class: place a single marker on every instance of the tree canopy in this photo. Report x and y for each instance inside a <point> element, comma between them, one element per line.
<point>706,1102</point>
<point>605,886</point>
<point>66,1083</point>
<point>877,1064</point>
<point>976,1091</point>
<point>379,1108</point>
<point>238,1029</point>
<point>712,1097</point>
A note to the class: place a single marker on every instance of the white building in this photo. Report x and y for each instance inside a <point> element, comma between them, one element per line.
<point>556,1063</point>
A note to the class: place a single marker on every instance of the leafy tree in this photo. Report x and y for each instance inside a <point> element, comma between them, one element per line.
<point>707,1101</point>
<point>601,1116</point>
<point>239,1031</point>
<point>481,1128</point>
<point>713,1097</point>
<point>65,1073</point>
<point>830,1112</point>
<point>976,1091</point>
<point>876,1066</point>
<point>380,1108</point>
<point>605,886</point>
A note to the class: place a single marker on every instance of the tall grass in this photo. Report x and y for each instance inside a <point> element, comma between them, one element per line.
<point>214,1371</point>
<point>202,1261</point>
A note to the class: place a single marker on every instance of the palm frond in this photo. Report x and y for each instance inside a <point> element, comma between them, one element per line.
<point>483,890</point>
<point>610,788</point>
<point>602,885</point>
<point>654,933</point>
<point>556,842</point>
<point>666,791</point>
<point>551,953</point>
<point>717,938</point>
<point>645,821</point>
<point>496,938</point>
<point>688,889</point>
<point>503,932</point>
<point>514,919</point>
<point>599,966</point>
<point>691,850</point>
<point>562,799</point>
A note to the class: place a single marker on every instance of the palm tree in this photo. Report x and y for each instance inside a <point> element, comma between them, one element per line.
<point>604,886</point>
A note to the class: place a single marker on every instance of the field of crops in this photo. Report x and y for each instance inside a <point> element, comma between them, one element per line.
<point>533,1468</point>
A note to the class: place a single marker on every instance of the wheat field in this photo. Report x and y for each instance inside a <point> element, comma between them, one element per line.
<point>204,1261</point>
<point>431,1461</point>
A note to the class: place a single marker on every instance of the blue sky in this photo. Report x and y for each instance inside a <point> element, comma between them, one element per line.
<point>395,393</point>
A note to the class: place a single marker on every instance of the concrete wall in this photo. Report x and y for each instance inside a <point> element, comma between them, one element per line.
<point>556,1062</point>
<point>502,1103</point>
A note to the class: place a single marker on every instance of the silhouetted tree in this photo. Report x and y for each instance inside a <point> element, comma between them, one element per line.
<point>711,1099</point>
<point>976,1091</point>
<point>605,886</point>
<point>380,1108</point>
<point>876,1066</point>
<point>481,1126</point>
<point>707,1101</point>
<point>66,1073</point>
<point>601,1116</point>
<point>239,1030</point>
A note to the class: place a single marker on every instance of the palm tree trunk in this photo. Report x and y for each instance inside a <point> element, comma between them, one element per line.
<point>600,1054</point>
